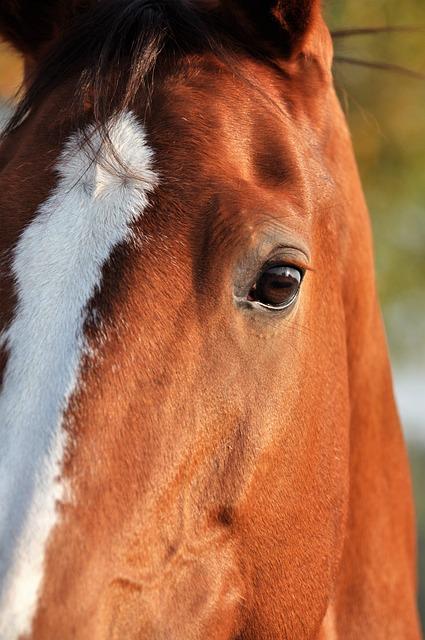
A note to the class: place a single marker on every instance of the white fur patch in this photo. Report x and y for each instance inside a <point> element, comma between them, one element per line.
<point>329,624</point>
<point>57,266</point>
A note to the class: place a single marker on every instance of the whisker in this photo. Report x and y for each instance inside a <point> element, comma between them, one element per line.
<point>381,66</point>
<point>366,31</point>
<point>305,330</point>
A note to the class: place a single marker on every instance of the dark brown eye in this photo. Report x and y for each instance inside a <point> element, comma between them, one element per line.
<point>277,287</point>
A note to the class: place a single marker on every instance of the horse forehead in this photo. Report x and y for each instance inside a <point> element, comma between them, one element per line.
<point>236,129</point>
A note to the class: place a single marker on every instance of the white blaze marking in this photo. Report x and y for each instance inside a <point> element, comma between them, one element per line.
<point>57,266</point>
<point>329,624</point>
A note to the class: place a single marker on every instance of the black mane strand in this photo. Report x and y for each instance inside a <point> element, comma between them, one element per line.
<point>112,51</point>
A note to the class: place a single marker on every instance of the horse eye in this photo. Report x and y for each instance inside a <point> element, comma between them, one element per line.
<point>277,287</point>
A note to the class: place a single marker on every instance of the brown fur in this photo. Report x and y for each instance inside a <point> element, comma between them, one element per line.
<point>234,475</point>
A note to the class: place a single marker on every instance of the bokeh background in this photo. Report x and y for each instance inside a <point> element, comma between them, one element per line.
<point>386,113</point>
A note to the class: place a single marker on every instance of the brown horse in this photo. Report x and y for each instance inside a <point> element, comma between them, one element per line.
<point>198,432</point>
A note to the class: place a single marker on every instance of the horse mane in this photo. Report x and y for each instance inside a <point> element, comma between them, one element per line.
<point>112,51</point>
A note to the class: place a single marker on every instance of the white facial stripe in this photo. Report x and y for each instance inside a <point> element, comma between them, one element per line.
<point>329,624</point>
<point>57,266</point>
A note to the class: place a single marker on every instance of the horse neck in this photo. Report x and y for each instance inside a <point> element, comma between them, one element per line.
<point>375,592</point>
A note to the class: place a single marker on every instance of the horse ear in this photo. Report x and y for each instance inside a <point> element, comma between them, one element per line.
<point>32,27</point>
<point>290,27</point>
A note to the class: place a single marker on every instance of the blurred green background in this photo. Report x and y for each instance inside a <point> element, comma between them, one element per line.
<point>386,113</point>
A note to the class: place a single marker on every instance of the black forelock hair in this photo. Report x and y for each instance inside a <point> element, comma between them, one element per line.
<point>112,50</point>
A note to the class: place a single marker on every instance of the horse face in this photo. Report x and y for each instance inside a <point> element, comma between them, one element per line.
<point>180,311</point>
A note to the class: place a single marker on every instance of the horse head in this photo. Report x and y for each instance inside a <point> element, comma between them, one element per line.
<point>198,431</point>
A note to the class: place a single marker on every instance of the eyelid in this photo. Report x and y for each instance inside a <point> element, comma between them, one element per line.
<point>287,261</point>
<point>271,308</point>
<point>301,266</point>
<point>291,255</point>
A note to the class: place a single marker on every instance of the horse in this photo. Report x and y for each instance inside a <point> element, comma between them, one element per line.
<point>199,437</point>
